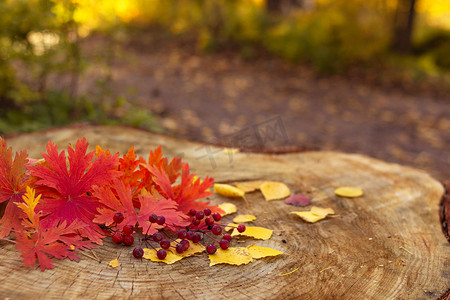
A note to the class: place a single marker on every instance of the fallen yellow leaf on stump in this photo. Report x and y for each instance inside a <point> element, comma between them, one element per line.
<point>170,258</point>
<point>249,186</point>
<point>274,190</point>
<point>261,252</point>
<point>194,248</point>
<point>228,190</point>
<point>114,263</point>
<point>230,226</point>
<point>228,208</point>
<point>348,192</point>
<point>232,256</point>
<point>244,218</point>
<point>315,214</point>
<point>259,233</point>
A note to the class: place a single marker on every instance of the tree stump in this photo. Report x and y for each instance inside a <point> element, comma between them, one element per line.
<point>387,244</point>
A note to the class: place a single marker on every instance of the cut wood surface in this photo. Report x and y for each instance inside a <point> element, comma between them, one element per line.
<point>387,244</point>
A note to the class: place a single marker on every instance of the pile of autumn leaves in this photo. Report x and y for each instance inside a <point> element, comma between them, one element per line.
<point>63,202</point>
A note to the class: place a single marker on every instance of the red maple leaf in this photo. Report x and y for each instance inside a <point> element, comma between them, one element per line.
<point>187,192</point>
<point>59,242</point>
<point>119,198</point>
<point>65,182</point>
<point>12,186</point>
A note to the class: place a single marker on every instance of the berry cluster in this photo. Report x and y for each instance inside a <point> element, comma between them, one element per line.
<point>203,228</point>
<point>126,236</point>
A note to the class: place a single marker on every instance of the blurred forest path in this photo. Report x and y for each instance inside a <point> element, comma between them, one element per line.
<point>213,98</point>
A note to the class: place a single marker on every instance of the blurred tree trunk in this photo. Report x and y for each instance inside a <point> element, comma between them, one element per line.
<point>403,25</point>
<point>273,6</point>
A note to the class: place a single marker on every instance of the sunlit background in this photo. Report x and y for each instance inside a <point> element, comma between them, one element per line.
<point>368,76</point>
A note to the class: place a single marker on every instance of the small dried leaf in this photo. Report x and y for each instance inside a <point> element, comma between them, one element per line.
<point>228,208</point>
<point>308,216</point>
<point>315,214</point>
<point>348,192</point>
<point>230,226</point>
<point>228,190</point>
<point>244,218</point>
<point>259,233</point>
<point>170,258</point>
<point>114,263</point>
<point>233,256</point>
<point>260,252</point>
<point>249,186</point>
<point>194,248</point>
<point>298,200</point>
<point>322,212</point>
<point>274,190</point>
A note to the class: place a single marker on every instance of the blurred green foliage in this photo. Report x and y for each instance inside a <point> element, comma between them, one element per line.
<point>40,41</point>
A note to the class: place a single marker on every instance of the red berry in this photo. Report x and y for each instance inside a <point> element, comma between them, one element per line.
<point>117,237</point>
<point>216,230</point>
<point>179,248</point>
<point>217,217</point>
<point>157,237</point>
<point>118,218</point>
<point>138,252</point>
<point>207,211</point>
<point>209,220</point>
<point>185,244</point>
<point>165,244</point>
<point>189,235</point>
<point>241,228</point>
<point>182,234</point>
<point>161,254</point>
<point>199,215</point>
<point>192,212</point>
<point>211,249</point>
<point>152,218</point>
<point>224,244</point>
<point>195,222</point>
<point>128,229</point>
<point>128,240</point>
<point>196,237</point>
<point>160,220</point>
<point>226,237</point>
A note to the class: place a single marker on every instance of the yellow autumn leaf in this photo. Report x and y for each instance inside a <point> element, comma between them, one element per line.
<point>29,204</point>
<point>348,192</point>
<point>230,226</point>
<point>114,263</point>
<point>274,190</point>
<point>315,214</point>
<point>249,186</point>
<point>244,218</point>
<point>228,190</point>
<point>308,216</point>
<point>194,248</point>
<point>233,256</point>
<point>228,208</point>
<point>170,258</point>
<point>322,212</point>
<point>259,233</point>
<point>260,252</point>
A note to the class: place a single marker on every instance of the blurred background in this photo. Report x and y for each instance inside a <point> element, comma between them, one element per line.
<point>360,76</point>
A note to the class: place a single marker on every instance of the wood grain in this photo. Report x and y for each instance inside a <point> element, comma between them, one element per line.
<point>387,244</point>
